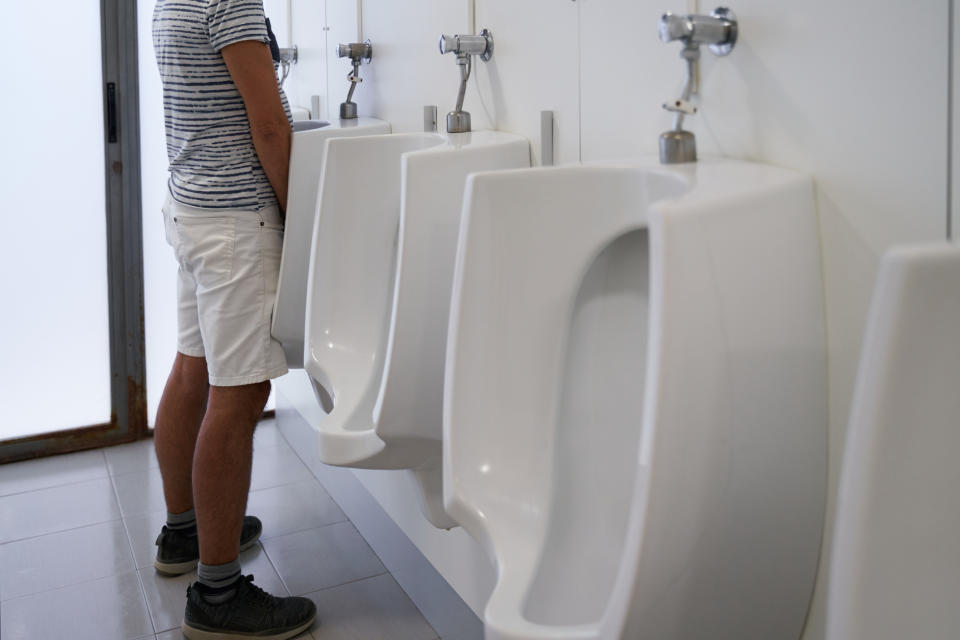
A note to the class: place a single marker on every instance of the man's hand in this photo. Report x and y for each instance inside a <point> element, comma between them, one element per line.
<point>251,67</point>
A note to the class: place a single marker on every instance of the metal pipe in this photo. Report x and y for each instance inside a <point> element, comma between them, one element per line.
<point>692,56</point>
<point>353,77</point>
<point>466,66</point>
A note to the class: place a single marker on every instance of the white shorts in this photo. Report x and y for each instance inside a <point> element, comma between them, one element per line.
<point>227,284</point>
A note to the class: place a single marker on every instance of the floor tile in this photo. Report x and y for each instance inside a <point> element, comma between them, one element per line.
<point>321,558</point>
<point>303,441</point>
<point>36,513</point>
<point>140,492</point>
<point>294,507</point>
<point>62,559</point>
<point>371,609</point>
<point>135,456</point>
<point>267,436</point>
<point>390,543</point>
<point>277,466</point>
<point>106,609</point>
<point>54,471</point>
<point>166,596</point>
<point>450,616</point>
<point>143,531</point>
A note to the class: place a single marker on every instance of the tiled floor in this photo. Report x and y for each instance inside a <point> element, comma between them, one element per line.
<point>76,550</point>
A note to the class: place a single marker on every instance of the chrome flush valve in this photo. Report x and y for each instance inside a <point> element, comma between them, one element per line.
<point>719,32</point>
<point>465,47</point>
<point>357,52</point>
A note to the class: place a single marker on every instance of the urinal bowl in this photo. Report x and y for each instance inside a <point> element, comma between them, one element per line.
<point>635,400</point>
<point>895,565</point>
<point>378,296</point>
<point>306,166</point>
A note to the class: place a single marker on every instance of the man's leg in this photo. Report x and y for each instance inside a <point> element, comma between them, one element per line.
<point>179,416</point>
<point>221,468</point>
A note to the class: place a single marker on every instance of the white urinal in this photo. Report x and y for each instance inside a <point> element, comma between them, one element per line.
<point>635,402</point>
<point>895,567</point>
<point>306,165</point>
<point>378,298</point>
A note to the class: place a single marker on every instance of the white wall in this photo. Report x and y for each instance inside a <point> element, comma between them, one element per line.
<point>853,92</point>
<point>407,71</point>
<point>308,32</point>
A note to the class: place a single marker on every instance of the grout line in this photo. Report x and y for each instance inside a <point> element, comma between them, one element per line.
<point>274,567</point>
<point>69,586</point>
<point>133,556</point>
<point>106,469</point>
<point>356,580</point>
<point>323,526</point>
<point>68,530</point>
<point>55,486</point>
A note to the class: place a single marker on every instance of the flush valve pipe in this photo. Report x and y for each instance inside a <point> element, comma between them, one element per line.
<point>358,52</point>
<point>465,48</point>
<point>719,32</point>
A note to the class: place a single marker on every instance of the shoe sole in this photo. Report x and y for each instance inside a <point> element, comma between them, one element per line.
<point>173,569</point>
<point>193,633</point>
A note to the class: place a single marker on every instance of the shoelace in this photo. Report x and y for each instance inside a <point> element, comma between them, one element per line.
<point>258,593</point>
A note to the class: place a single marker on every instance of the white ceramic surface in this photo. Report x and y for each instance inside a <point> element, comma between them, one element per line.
<point>300,114</point>
<point>895,568</point>
<point>381,273</point>
<point>635,414</point>
<point>306,167</point>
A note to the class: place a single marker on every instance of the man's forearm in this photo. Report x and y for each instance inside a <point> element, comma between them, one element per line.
<point>272,142</point>
<point>252,71</point>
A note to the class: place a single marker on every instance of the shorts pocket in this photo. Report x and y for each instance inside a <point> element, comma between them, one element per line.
<point>271,248</point>
<point>207,246</point>
<point>170,230</point>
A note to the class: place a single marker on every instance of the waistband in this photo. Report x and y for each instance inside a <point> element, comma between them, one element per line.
<point>269,215</point>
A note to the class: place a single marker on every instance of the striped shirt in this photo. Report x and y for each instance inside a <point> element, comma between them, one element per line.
<point>213,163</point>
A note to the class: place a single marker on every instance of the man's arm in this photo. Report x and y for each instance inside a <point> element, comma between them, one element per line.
<point>251,68</point>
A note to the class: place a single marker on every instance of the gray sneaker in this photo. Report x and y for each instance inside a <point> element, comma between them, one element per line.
<point>179,552</point>
<point>250,613</point>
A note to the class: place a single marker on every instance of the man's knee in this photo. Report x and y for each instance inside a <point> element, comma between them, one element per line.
<point>249,397</point>
<point>262,393</point>
<point>191,370</point>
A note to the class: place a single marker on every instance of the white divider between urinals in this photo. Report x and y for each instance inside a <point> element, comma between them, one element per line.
<point>517,276</point>
<point>740,287</point>
<point>409,407</point>
<point>387,404</point>
<point>307,155</point>
<point>350,281</point>
<point>895,565</point>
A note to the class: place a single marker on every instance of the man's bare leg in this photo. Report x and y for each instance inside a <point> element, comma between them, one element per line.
<point>221,468</point>
<point>179,416</point>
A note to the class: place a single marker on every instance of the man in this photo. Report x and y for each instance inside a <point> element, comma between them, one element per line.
<point>228,140</point>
